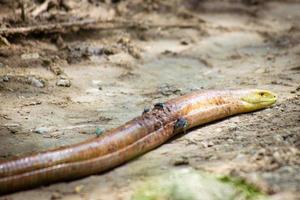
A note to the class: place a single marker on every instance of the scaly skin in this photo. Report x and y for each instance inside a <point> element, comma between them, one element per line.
<point>134,138</point>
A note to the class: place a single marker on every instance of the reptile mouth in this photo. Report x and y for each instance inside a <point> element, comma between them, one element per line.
<point>271,100</point>
<point>259,99</point>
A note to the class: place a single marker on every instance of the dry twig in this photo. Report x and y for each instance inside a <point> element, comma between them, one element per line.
<point>42,8</point>
<point>4,41</point>
<point>47,28</point>
<point>88,24</point>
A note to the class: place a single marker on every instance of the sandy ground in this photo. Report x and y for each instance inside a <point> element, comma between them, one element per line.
<point>115,73</point>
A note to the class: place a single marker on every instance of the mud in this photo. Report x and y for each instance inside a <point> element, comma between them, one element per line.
<point>115,73</point>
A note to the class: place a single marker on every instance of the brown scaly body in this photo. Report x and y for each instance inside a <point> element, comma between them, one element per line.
<point>134,138</point>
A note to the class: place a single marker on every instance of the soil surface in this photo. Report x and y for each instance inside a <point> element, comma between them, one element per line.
<point>59,85</point>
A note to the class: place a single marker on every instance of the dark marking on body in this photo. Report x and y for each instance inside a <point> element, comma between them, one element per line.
<point>98,132</point>
<point>159,105</point>
<point>181,123</point>
<point>146,110</point>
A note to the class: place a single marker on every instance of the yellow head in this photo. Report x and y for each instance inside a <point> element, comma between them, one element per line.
<point>258,99</point>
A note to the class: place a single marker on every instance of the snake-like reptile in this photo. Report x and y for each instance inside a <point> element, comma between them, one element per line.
<point>136,137</point>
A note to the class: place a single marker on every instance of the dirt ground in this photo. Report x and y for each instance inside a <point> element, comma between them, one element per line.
<point>58,85</point>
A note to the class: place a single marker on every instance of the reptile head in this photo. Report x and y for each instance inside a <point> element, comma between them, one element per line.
<point>258,99</point>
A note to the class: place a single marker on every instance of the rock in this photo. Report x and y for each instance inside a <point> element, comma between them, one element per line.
<point>78,188</point>
<point>167,90</point>
<point>13,128</point>
<point>98,132</point>
<point>277,156</point>
<point>134,52</point>
<point>184,42</point>
<point>42,130</point>
<point>4,79</point>
<point>207,144</point>
<point>30,56</point>
<point>55,135</point>
<point>287,169</point>
<point>230,140</point>
<point>278,138</point>
<point>3,40</point>
<point>238,137</point>
<point>218,130</point>
<point>98,84</point>
<point>181,161</point>
<point>55,196</point>
<point>63,83</point>
<point>260,71</point>
<point>1,65</point>
<point>36,82</point>
<point>232,127</point>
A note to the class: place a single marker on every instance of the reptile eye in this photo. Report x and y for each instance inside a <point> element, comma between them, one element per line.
<point>261,93</point>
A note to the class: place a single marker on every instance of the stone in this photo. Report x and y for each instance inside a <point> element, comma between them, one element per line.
<point>4,79</point>
<point>36,82</point>
<point>63,83</point>
<point>207,144</point>
<point>42,130</point>
<point>13,128</point>
<point>181,161</point>
<point>30,56</point>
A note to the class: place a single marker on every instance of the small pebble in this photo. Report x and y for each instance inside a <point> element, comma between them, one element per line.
<point>42,130</point>
<point>55,196</point>
<point>213,157</point>
<point>79,188</point>
<point>5,79</point>
<point>232,127</point>
<point>277,156</point>
<point>207,144</point>
<point>239,138</point>
<point>278,138</point>
<point>36,82</point>
<point>63,83</point>
<point>210,144</point>
<point>218,130</point>
<point>260,71</point>
<point>55,135</point>
<point>230,140</point>
<point>181,161</point>
<point>13,128</point>
<point>98,132</point>
<point>29,56</point>
<point>184,42</point>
